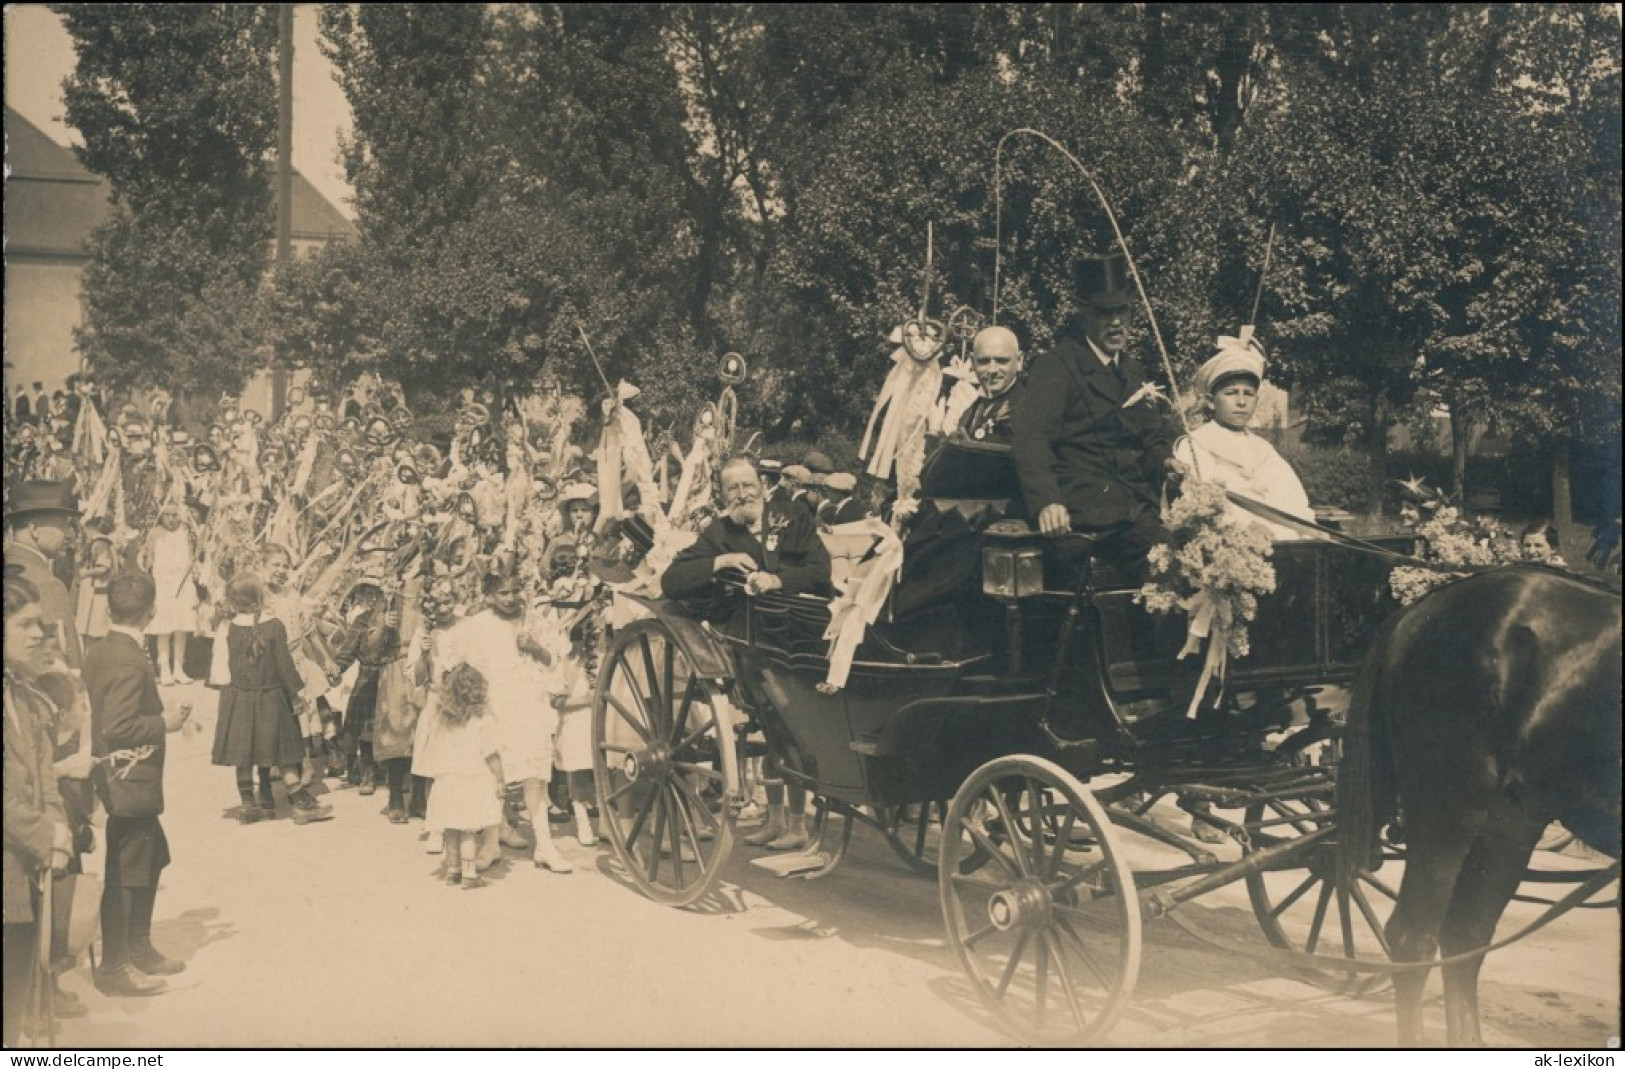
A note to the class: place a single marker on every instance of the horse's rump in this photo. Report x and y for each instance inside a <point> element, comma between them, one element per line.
<point>1507,681</point>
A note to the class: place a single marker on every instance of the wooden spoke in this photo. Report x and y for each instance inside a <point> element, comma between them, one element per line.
<point>982,840</point>
<point>654,841</point>
<point>626,715</point>
<point>1297,893</point>
<point>1371,918</point>
<point>1088,959</point>
<point>1345,917</point>
<point>657,699</point>
<point>1382,888</point>
<point>1054,867</point>
<point>1054,943</point>
<point>961,880</point>
<point>1012,831</point>
<point>680,784</point>
<point>641,818</point>
<point>680,721</point>
<point>980,934</point>
<point>1320,917</point>
<point>668,678</point>
<point>1040,980</point>
<point>1077,878</point>
<point>698,770</point>
<point>621,791</point>
<point>1011,965</point>
<point>676,841</point>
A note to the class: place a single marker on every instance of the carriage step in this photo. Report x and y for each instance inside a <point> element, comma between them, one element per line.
<point>786,865</point>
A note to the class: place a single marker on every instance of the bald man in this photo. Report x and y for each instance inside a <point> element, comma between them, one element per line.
<point>996,355</point>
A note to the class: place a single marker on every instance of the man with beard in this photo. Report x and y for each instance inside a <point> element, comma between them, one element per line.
<point>1091,439</point>
<point>774,546</point>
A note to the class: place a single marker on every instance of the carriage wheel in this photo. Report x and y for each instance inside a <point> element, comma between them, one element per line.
<point>666,764</point>
<point>1315,908</point>
<point>1047,927</point>
<point>914,834</point>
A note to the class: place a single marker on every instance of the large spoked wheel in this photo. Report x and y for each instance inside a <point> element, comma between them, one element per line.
<point>667,766</point>
<point>1313,907</point>
<point>1047,926</point>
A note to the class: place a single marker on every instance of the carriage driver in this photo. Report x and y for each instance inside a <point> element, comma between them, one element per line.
<point>1092,437</point>
<point>775,544</point>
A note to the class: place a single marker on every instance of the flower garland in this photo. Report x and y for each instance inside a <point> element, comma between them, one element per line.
<point>1214,572</point>
<point>1454,537</point>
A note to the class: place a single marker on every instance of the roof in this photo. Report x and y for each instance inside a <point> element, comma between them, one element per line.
<point>53,203</point>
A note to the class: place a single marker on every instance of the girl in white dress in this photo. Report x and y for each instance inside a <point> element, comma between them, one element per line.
<point>1226,452</point>
<point>463,757</point>
<point>170,555</point>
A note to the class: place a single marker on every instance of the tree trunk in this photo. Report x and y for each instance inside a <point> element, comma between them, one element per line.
<point>1377,450</point>
<point>1461,440</point>
<point>1562,494</point>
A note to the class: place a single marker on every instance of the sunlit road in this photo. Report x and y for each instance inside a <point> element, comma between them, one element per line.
<point>342,934</point>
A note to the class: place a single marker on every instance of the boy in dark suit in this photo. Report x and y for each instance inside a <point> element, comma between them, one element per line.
<point>126,713</point>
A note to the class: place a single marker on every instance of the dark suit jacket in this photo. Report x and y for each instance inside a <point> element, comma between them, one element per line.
<point>790,548</point>
<point>1075,445</point>
<point>126,712</point>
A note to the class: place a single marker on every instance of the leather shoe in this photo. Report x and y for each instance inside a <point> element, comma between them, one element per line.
<point>153,963</point>
<point>126,981</point>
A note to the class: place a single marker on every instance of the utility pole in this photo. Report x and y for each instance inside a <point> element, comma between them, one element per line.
<point>284,178</point>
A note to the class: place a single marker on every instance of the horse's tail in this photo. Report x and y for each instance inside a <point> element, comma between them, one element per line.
<point>1366,791</point>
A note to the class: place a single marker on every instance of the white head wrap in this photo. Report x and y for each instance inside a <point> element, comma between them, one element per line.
<point>1240,355</point>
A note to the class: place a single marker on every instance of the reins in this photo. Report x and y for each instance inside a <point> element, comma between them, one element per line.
<point>1599,879</point>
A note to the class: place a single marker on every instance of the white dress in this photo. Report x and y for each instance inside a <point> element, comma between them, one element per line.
<point>464,796</point>
<point>176,605</point>
<point>573,743</point>
<point>1247,464</point>
<point>519,689</point>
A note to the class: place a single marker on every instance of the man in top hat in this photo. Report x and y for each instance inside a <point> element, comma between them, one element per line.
<point>40,524</point>
<point>1092,439</point>
<point>127,714</point>
<point>996,356</point>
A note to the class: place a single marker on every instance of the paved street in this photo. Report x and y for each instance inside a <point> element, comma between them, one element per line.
<point>340,934</point>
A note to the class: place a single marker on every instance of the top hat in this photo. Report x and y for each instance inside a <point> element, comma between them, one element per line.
<point>1103,281</point>
<point>42,496</point>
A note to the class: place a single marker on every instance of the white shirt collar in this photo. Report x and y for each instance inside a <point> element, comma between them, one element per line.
<point>138,637</point>
<point>1109,361</point>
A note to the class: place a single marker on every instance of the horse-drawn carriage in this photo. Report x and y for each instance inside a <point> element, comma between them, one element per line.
<point>1009,724</point>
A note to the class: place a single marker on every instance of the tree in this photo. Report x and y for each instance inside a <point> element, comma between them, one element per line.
<point>176,106</point>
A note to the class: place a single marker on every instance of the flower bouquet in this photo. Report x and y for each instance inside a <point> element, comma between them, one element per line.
<point>1213,572</point>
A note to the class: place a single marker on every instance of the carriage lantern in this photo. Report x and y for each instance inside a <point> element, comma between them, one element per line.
<point>1012,569</point>
<point>1012,561</point>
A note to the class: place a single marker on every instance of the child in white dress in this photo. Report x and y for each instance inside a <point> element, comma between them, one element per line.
<point>462,755</point>
<point>170,556</point>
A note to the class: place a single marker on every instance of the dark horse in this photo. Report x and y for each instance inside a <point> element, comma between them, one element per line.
<point>1484,712</point>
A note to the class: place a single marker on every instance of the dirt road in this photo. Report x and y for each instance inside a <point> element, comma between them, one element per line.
<point>340,934</point>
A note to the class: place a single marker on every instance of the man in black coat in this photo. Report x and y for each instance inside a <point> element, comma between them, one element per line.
<point>126,713</point>
<point>775,546</point>
<point>1092,437</point>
